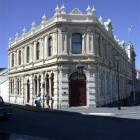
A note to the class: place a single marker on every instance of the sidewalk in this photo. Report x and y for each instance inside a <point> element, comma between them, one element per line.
<point>125,112</point>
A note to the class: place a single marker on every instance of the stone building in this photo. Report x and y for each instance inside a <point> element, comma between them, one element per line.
<point>4,84</point>
<point>72,59</point>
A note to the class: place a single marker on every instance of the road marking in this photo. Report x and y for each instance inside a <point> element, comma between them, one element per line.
<point>25,137</point>
<point>100,114</point>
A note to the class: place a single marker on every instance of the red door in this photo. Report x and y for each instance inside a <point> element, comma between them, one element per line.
<point>77,93</point>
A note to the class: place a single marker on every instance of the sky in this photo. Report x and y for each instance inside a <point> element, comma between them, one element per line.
<point>17,14</point>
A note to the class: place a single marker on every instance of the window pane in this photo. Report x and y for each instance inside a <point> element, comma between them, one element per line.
<point>76,43</point>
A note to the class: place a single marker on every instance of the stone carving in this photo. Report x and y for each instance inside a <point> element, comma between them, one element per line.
<point>76,11</point>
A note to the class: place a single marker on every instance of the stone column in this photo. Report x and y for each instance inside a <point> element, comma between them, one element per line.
<point>96,44</point>
<point>22,88</point>
<point>87,43</point>
<point>91,43</point>
<point>30,53</point>
<point>55,89</point>
<point>42,48</point>
<point>54,43</point>
<point>17,57</point>
<point>45,47</point>
<point>83,44</point>
<point>15,88</point>
<point>31,89</point>
<point>34,51</point>
<point>60,42</point>
<point>42,90</point>
<point>63,42</point>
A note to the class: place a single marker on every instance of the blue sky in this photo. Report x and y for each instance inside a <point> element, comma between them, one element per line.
<point>17,14</point>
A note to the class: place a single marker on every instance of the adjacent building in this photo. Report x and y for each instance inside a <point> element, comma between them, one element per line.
<point>72,59</point>
<point>4,84</point>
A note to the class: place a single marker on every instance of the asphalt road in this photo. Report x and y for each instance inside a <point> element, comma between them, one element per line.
<point>71,126</point>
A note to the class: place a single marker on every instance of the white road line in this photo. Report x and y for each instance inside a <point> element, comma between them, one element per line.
<point>25,137</point>
<point>100,114</point>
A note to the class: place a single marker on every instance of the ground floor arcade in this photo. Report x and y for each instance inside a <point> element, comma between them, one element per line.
<point>62,88</point>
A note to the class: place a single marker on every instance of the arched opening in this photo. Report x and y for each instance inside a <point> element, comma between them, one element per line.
<point>28,91</point>
<point>47,84</point>
<point>52,84</point>
<point>77,90</point>
<point>35,86</point>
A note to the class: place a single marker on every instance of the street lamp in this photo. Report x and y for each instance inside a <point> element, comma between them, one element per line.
<point>80,68</point>
<point>43,86</point>
<point>117,60</point>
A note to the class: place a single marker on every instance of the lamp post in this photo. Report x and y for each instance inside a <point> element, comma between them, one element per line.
<point>43,86</point>
<point>80,68</point>
<point>117,60</point>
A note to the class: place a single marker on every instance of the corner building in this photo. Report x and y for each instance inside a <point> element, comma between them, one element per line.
<point>43,61</point>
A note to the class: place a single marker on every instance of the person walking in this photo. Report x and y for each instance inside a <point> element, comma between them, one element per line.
<point>38,101</point>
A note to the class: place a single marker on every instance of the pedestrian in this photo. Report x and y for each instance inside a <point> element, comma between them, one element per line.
<point>38,101</point>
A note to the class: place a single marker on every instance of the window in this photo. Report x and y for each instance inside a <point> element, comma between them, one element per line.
<point>52,84</point>
<point>37,51</point>
<point>76,43</point>
<point>12,59</point>
<point>27,54</point>
<point>18,86</point>
<point>50,46</point>
<point>19,57</point>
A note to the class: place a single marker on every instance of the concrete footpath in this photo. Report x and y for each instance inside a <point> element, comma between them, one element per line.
<point>125,112</point>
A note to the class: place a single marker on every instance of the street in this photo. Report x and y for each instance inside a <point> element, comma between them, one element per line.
<point>70,126</point>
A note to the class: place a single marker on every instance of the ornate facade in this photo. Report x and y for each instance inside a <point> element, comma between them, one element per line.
<point>43,61</point>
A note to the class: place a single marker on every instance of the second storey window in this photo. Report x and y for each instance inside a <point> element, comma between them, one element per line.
<point>50,46</point>
<point>37,50</point>
<point>76,43</point>
<point>13,60</point>
<point>27,54</point>
<point>19,57</point>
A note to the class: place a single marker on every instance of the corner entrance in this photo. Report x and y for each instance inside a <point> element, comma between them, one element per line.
<point>77,90</point>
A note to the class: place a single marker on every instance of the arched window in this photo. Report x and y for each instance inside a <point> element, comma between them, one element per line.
<point>13,59</point>
<point>76,43</point>
<point>27,54</point>
<point>50,46</point>
<point>39,85</point>
<point>28,91</point>
<point>18,86</point>
<point>52,84</point>
<point>47,84</point>
<point>35,85</point>
<point>19,57</point>
<point>37,50</point>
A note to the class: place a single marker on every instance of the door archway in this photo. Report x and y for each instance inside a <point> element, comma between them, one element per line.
<point>77,90</point>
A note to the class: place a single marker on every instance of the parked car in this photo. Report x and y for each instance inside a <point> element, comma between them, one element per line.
<point>5,109</point>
